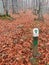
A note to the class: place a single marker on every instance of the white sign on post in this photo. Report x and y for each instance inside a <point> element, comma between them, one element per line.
<point>35,32</point>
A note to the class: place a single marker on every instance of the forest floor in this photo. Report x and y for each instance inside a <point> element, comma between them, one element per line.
<point>16,40</point>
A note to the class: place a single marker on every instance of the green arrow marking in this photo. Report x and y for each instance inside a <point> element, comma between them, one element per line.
<point>35,31</point>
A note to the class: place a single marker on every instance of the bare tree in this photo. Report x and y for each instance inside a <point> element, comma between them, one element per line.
<point>15,6</point>
<point>5,6</point>
<point>39,12</point>
<point>38,9</point>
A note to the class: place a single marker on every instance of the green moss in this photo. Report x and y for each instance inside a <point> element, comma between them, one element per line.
<point>6,17</point>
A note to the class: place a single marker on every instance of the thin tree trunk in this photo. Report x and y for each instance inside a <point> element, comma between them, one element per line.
<point>40,16</point>
<point>5,3</point>
<point>13,7</point>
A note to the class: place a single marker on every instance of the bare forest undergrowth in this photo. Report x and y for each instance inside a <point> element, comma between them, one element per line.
<point>16,39</point>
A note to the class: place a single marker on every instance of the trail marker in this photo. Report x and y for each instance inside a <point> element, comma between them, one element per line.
<point>35,32</point>
<point>35,46</point>
<point>35,41</point>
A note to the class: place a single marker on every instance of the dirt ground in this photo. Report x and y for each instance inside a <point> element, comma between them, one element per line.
<point>16,39</point>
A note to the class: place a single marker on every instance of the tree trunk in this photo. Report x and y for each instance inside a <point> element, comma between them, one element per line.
<point>39,12</point>
<point>13,7</point>
<point>5,4</point>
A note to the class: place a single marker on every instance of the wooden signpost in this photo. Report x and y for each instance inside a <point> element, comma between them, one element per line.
<point>33,59</point>
<point>35,36</point>
<point>35,41</point>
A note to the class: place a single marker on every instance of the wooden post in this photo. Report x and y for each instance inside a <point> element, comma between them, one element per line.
<point>35,41</point>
